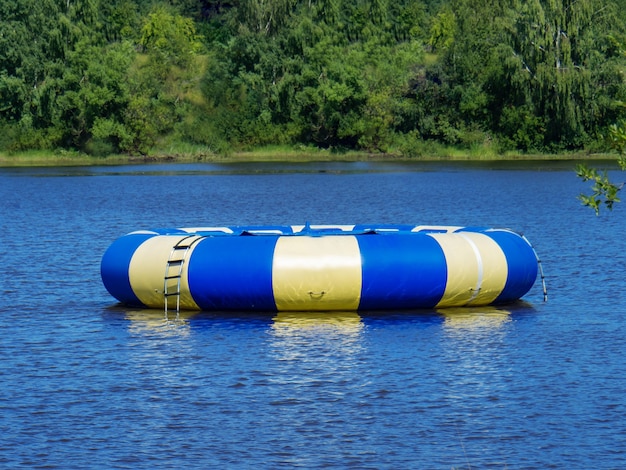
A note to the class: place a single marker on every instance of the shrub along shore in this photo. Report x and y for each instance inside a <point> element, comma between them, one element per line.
<point>279,154</point>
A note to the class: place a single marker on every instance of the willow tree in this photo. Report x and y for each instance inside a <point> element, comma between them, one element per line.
<point>265,16</point>
<point>543,70</point>
<point>556,48</point>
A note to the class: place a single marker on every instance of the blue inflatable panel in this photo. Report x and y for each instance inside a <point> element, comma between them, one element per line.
<point>319,267</point>
<point>114,267</point>
<point>227,274</point>
<point>414,278</point>
<point>522,262</point>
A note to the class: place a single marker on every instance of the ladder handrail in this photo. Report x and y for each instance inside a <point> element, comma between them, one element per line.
<point>179,262</point>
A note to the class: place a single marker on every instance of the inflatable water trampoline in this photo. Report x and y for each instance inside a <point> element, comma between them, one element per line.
<point>319,267</point>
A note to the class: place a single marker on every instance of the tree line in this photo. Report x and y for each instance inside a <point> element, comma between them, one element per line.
<point>139,76</point>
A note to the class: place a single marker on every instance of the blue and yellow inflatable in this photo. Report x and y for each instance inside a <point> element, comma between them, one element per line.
<point>319,267</point>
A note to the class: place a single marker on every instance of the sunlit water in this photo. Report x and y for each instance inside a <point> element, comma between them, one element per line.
<point>85,383</point>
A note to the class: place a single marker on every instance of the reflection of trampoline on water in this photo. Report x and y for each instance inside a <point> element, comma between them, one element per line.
<point>477,317</point>
<point>287,323</point>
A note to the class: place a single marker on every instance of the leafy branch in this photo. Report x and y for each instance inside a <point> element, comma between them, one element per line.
<point>604,191</point>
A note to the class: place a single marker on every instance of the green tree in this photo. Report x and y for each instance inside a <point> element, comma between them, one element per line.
<point>120,20</point>
<point>328,11</point>
<point>538,73</point>
<point>169,38</point>
<point>442,31</point>
<point>91,93</point>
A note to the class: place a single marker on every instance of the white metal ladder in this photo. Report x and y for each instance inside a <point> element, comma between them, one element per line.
<point>174,270</point>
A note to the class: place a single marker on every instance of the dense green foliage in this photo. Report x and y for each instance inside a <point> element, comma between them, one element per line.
<point>136,76</point>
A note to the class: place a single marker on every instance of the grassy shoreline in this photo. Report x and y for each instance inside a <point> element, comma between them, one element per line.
<point>274,154</point>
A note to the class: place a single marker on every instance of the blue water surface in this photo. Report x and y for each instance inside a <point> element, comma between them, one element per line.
<point>86,383</point>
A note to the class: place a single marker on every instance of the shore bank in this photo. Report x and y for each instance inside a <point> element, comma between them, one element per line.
<point>33,159</point>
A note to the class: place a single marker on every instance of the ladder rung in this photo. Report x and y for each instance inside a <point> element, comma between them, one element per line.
<point>171,273</point>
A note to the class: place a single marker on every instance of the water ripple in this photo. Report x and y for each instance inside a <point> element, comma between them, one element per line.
<point>88,384</point>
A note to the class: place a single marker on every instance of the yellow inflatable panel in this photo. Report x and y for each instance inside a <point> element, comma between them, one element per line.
<point>317,273</point>
<point>147,270</point>
<point>477,269</point>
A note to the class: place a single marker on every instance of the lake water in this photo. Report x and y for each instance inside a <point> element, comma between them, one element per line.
<point>85,383</point>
